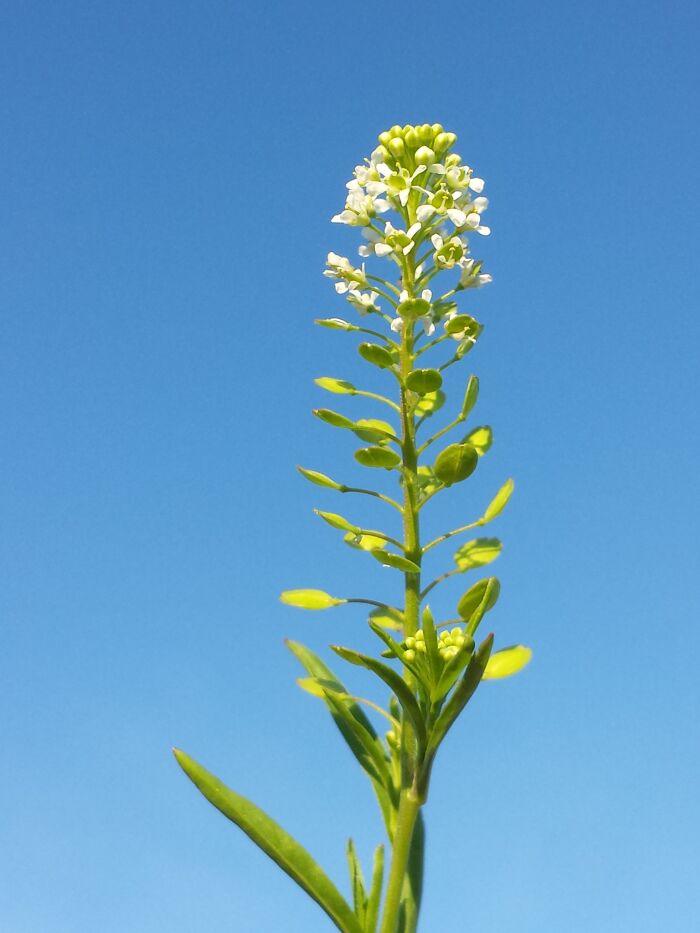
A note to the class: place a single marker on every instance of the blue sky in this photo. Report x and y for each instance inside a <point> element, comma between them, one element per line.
<point>168,175</point>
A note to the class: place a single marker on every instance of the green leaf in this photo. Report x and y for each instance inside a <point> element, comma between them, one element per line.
<point>462,694</point>
<point>377,457</point>
<point>423,381</point>
<point>333,418</point>
<point>396,651</point>
<point>477,553</point>
<point>480,439</point>
<point>470,396</point>
<point>499,501</point>
<point>413,891</point>
<point>455,463</point>
<point>356,740</point>
<point>320,479</point>
<point>357,883</point>
<point>395,560</point>
<point>275,842</point>
<point>431,643</point>
<point>337,521</point>
<point>376,355</point>
<point>364,542</point>
<point>335,323</point>
<point>472,600</point>
<point>337,386</point>
<point>375,891</point>
<point>310,599</point>
<point>507,661</point>
<point>430,403</point>
<point>388,617</point>
<point>394,681</point>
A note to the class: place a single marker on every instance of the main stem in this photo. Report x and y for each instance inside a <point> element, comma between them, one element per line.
<point>409,803</point>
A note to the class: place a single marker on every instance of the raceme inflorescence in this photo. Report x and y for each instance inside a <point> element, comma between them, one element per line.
<point>418,208</point>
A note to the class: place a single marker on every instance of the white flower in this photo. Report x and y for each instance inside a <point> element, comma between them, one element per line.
<point>448,252</point>
<point>340,267</point>
<point>364,302</point>
<point>400,183</point>
<point>360,208</point>
<point>471,275</point>
<point>376,244</point>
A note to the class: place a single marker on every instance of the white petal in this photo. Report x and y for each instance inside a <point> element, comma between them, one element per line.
<point>413,230</point>
<point>397,325</point>
<point>457,217</point>
<point>436,240</point>
<point>480,204</point>
<point>403,296</point>
<point>365,250</point>
<point>383,249</point>
<point>477,184</point>
<point>426,295</point>
<point>381,206</point>
<point>424,212</point>
<point>403,196</point>
<point>484,231</point>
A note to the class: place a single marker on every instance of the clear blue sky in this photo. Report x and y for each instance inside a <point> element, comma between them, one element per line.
<point>168,174</point>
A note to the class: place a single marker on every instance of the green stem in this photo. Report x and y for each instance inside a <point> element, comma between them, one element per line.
<point>409,808</point>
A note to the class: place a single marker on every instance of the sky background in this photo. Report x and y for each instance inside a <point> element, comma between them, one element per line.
<point>168,175</point>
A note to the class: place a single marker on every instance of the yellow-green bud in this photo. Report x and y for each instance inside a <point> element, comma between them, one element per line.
<point>406,128</point>
<point>425,133</point>
<point>384,138</point>
<point>410,642</point>
<point>442,142</point>
<point>420,646</point>
<point>425,156</point>
<point>409,655</point>
<point>456,632</point>
<point>437,128</point>
<point>396,147</point>
<point>411,138</point>
<point>420,635</point>
<point>396,130</point>
<point>452,160</point>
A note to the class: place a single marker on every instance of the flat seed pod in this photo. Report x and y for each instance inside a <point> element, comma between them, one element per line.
<point>376,355</point>
<point>474,597</point>
<point>507,662</point>
<point>388,618</point>
<point>377,457</point>
<point>499,501</point>
<point>470,396</point>
<point>455,463</point>
<point>374,430</point>
<point>461,323</point>
<point>320,479</point>
<point>481,439</point>
<point>335,323</point>
<point>478,552</point>
<point>333,417</point>
<point>310,599</point>
<point>395,560</point>
<point>337,521</point>
<point>337,386</point>
<point>430,403</point>
<point>423,381</point>
<point>364,542</point>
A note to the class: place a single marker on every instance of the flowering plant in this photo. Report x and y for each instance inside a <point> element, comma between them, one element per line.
<point>417,204</point>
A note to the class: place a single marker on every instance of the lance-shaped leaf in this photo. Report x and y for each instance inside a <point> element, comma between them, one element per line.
<point>388,617</point>
<point>310,599</point>
<point>413,890</point>
<point>430,403</point>
<point>477,553</point>
<point>321,672</point>
<point>333,418</point>
<point>488,590</point>
<point>387,559</point>
<point>481,439</point>
<point>452,669</point>
<point>337,386</point>
<point>455,463</point>
<point>275,842</point>
<point>507,661</point>
<point>375,891</point>
<point>395,682</point>
<point>377,457</point>
<point>319,479</point>
<point>337,521</point>
<point>462,694</point>
<point>431,643</point>
<point>357,883</point>
<point>423,381</point>
<point>499,501</point>
<point>470,396</point>
<point>376,355</point>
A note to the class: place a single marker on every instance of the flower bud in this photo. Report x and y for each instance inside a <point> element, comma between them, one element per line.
<point>409,655</point>
<point>396,147</point>
<point>442,142</point>
<point>425,156</point>
<point>437,128</point>
<point>411,139</point>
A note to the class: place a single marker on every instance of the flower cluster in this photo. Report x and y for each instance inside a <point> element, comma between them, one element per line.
<point>438,201</point>
<point>449,644</point>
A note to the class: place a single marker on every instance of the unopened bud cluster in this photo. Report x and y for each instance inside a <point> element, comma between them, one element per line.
<point>415,173</point>
<point>450,643</point>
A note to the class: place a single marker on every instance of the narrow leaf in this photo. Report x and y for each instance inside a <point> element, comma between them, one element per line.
<point>357,883</point>
<point>375,891</point>
<point>394,681</point>
<point>275,842</point>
